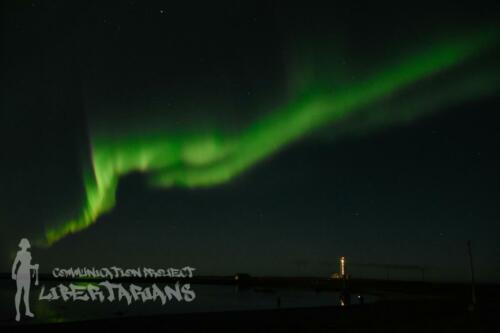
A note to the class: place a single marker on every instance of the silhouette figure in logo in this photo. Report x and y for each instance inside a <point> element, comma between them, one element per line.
<point>23,277</point>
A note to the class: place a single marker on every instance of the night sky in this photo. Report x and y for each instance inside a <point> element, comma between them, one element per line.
<point>265,138</point>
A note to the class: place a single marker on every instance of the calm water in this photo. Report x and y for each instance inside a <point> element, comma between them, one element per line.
<point>208,298</point>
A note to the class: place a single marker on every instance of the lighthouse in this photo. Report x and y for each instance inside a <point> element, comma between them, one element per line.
<point>342,272</point>
<point>342,267</point>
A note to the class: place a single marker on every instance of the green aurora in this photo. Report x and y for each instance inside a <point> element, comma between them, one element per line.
<point>207,158</point>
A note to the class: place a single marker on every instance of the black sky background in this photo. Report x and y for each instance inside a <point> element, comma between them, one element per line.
<point>410,195</point>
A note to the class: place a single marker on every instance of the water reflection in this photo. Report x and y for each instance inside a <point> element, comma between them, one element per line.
<point>210,298</point>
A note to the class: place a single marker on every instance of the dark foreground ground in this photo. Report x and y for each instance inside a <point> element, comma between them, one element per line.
<point>414,316</point>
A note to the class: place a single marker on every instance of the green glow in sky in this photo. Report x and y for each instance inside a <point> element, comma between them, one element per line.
<point>212,157</point>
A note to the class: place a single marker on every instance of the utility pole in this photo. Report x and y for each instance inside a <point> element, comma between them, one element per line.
<point>473,283</point>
